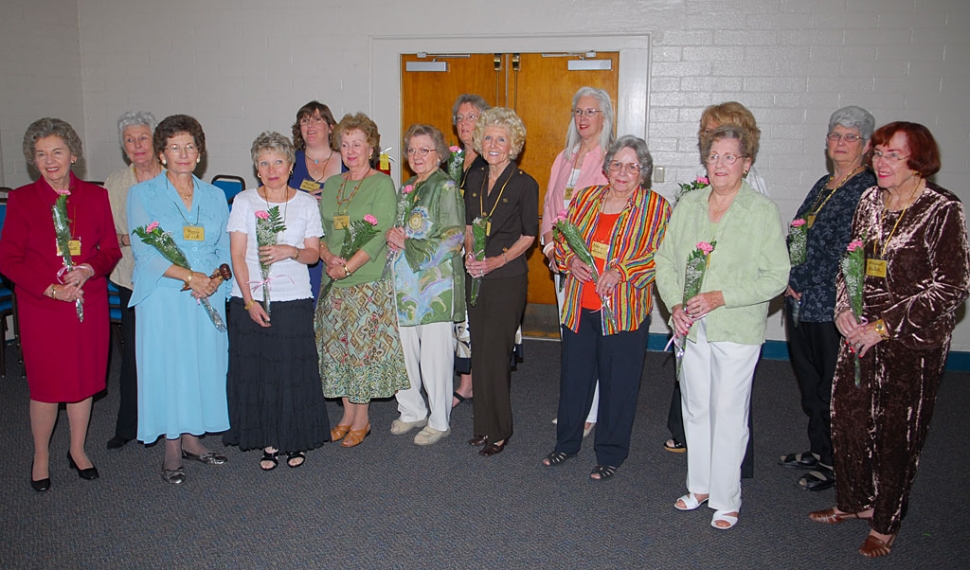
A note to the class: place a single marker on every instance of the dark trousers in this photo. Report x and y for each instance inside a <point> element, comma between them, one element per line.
<point>617,361</point>
<point>127,424</point>
<point>814,349</point>
<point>675,423</point>
<point>492,323</point>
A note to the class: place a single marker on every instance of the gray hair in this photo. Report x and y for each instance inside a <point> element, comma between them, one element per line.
<point>637,145</point>
<point>46,127</point>
<point>476,101</point>
<point>853,117</point>
<point>271,141</point>
<point>135,119</point>
<point>605,105</point>
<point>436,137</point>
<point>508,120</point>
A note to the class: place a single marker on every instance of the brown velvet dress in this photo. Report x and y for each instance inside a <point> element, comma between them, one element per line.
<point>879,428</point>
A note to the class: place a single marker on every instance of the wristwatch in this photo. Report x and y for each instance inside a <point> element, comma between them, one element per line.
<point>880,327</point>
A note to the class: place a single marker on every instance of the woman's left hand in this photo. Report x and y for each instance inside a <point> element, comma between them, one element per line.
<point>78,276</point>
<point>270,254</point>
<point>607,282</point>
<point>395,239</point>
<point>863,338</point>
<point>483,267</point>
<point>702,304</point>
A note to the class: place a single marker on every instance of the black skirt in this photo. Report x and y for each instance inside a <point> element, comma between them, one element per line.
<point>273,386</point>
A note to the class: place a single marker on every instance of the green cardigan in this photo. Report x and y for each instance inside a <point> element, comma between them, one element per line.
<point>749,264</point>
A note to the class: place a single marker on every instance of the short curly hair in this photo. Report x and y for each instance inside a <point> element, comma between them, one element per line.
<point>134,119</point>
<point>310,109</point>
<point>436,137</point>
<point>732,113</point>
<point>174,125</point>
<point>272,141</point>
<point>638,146</point>
<point>363,123</point>
<point>727,131</point>
<point>507,119</point>
<point>924,153</point>
<point>46,127</point>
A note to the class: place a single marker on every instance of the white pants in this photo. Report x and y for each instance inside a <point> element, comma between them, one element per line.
<point>429,355</point>
<point>595,406</point>
<point>716,392</point>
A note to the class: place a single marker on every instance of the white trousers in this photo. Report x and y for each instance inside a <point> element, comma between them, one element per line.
<point>595,406</point>
<point>715,395</point>
<point>429,355</point>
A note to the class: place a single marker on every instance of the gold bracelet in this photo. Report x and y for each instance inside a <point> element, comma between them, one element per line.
<point>188,280</point>
<point>250,304</point>
<point>54,292</point>
<point>297,254</point>
<point>347,271</point>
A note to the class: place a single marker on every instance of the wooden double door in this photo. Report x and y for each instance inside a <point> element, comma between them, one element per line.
<point>539,87</point>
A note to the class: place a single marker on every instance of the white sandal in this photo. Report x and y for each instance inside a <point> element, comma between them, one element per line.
<point>690,502</point>
<point>723,516</point>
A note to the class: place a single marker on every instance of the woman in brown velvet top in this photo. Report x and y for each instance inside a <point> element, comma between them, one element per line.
<point>918,274</point>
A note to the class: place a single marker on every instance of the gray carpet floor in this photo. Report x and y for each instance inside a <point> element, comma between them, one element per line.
<point>391,504</point>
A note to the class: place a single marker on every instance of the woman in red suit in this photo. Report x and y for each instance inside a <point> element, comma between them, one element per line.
<point>66,357</point>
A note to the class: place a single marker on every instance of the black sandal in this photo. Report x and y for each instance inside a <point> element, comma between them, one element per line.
<point>290,457</point>
<point>604,471</point>
<point>818,480</point>
<point>557,458</point>
<point>270,457</point>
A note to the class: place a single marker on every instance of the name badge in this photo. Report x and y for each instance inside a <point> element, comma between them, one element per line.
<point>876,268</point>
<point>309,186</point>
<point>568,195</point>
<point>193,233</point>
<point>600,250</point>
<point>341,222</point>
<point>73,247</point>
<point>810,220</point>
<point>488,228</point>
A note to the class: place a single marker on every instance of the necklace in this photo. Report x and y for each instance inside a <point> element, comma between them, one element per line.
<point>286,201</point>
<point>341,201</point>
<point>498,199</point>
<point>711,202</point>
<point>323,172</point>
<point>909,202</point>
<point>816,207</point>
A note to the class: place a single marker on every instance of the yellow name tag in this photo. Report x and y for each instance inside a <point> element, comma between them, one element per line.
<point>810,220</point>
<point>488,228</point>
<point>73,246</point>
<point>341,222</point>
<point>309,186</point>
<point>600,250</point>
<point>568,195</point>
<point>876,268</point>
<point>193,233</point>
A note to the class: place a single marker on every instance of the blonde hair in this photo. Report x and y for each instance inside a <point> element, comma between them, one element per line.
<point>507,119</point>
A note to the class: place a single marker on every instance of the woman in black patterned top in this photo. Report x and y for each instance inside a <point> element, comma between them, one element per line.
<point>813,341</point>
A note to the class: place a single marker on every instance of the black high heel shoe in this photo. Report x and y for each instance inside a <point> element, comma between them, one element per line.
<point>89,474</point>
<point>494,448</point>
<point>39,486</point>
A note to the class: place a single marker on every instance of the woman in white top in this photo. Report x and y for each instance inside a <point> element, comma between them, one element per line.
<point>578,166</point>
<point>275,399</point>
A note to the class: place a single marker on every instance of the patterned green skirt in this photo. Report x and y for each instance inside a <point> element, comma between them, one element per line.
<point>358,343</point>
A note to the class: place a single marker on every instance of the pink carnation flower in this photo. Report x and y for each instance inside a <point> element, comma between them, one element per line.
<point>705,247</point>
<point>370,219</point>
<point>798,223</point>
<point>703,180</point>
<point>63,192</point>
<point>854,245</point>
<point>454,148</point>
<point>262,214</point>
<point>562,215</point>
<point>151,227</point>
<point>408,189</point>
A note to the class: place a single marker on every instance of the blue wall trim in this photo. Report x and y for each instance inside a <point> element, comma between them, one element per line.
<point>778,350</point>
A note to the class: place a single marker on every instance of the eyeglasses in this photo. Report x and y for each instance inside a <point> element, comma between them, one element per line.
<point>588,113</point>
<point>469,118</point>
<point>847,137</point>
<point>727,159</point>
<point>890,156</point>
<point>420,152</point>
<point>312,121</point>
<point>631,168</point>
<point>178,149</point>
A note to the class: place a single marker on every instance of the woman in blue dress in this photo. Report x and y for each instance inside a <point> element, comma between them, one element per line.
<point>182,357</point>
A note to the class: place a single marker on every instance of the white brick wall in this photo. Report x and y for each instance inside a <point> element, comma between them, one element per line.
<point>243,66</point>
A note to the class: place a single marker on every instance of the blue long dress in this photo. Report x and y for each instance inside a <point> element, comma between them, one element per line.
<point>182,358</point>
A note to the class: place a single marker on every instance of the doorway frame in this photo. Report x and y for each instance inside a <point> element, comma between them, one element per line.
<point>632,110</point>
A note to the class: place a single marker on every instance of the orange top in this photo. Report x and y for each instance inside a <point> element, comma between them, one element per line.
<point>599,248</point>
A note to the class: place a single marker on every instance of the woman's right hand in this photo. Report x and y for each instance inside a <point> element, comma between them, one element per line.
<point>258,314</point>
<point>682,321</point>
<point>68,293</point>
<point>789,292</point>
<point>846,322</point>
<point>201,286</point>
<point>580,270</point>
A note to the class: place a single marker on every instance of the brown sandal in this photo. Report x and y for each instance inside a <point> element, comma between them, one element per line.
<point>874,547</point>
<point>338,432</point>
<point>355,436</point>
<point>831,516</point>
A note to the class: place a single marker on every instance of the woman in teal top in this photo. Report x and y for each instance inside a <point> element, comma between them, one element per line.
<point>724,325</point>
<point>356,327</point>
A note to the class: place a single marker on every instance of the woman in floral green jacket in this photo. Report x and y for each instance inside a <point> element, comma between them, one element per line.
<point>429,284</point>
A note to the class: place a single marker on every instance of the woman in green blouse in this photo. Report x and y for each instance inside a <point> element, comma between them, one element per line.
<point>356,329</point>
